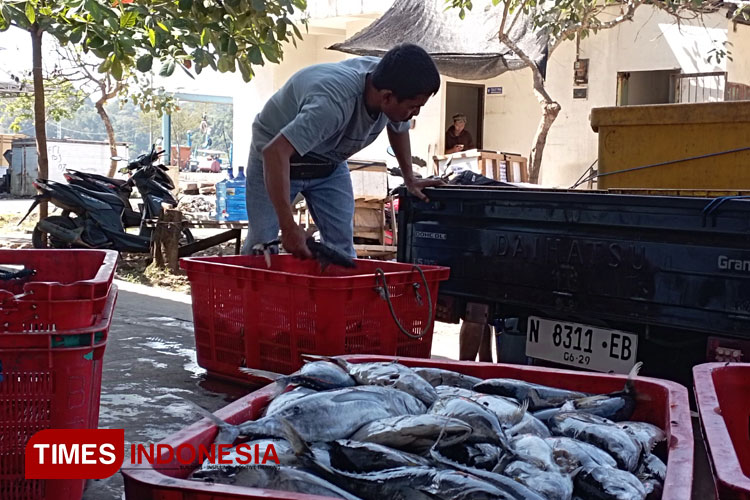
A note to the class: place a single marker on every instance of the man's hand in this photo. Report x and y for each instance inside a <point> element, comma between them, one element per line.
<point>294,241</point>
<point>415,186</point>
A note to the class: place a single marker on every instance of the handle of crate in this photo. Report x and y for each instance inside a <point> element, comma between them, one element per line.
<point>9,301</point>
<point>385,295</point>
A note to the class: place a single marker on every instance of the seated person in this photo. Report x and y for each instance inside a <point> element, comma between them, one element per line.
<point>457,138</point>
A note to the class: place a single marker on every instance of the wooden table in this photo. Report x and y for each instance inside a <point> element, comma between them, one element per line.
<point>233,231</point>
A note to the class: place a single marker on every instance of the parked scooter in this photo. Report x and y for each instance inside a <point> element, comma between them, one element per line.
<point>102,214</point>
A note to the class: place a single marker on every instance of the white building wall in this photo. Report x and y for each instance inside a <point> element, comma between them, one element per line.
<point>650,42</point>
<point>738,69</point>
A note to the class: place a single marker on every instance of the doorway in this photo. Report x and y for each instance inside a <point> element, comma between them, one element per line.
<point>646,87</point>
<point>467,99</point>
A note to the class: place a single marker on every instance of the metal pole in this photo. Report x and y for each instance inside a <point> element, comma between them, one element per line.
<point>166,133</point>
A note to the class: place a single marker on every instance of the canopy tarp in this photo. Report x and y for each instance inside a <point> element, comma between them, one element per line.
<point>468,49</point>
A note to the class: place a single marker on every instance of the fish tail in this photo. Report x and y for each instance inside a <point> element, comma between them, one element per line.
<point>518,415</point>
<point>264,374</point>
<point>227,432</point>
<point>302,450</point>
<point>630,383</point>
<point>332,359</point>
<point>298,444</point>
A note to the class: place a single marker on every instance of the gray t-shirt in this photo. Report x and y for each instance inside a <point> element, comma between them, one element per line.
<point>321,110</point>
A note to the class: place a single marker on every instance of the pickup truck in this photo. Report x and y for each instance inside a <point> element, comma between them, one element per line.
<point>593,279</point>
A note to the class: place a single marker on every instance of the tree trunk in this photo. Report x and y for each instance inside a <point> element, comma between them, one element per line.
<point>549,113</point>
<point>166,241</point>
<point>40,117</point>
<point>550,110</point>
<point>110,135</point>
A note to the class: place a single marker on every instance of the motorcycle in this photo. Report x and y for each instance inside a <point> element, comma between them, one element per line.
<point>102,210</point>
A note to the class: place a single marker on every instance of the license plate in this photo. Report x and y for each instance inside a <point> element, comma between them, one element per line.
<point>580,345</point>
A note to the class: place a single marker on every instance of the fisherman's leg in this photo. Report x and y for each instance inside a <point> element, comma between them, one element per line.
<point>473,330</point>
<point>331,203</point>
<point>469,340</point>
<point>263,223</point>
<point>485,348</point>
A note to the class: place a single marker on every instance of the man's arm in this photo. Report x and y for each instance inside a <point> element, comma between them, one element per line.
<point>402,148</point>
<point>276,175</point>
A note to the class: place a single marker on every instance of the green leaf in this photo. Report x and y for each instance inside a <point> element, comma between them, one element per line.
<point>116,69</point>
<point>185,4</point>
<point>162,26</point>
<point>270,52</point>
<point>255,55</point>
<point>245,69</point>
<point>128,19</point>
<point>226,63</point>
<point>152,37</point>
<point>144,63</point>
<point>259,5</point>
<point>30,13</point>
<point>105,66</point>
<point>167,68</point>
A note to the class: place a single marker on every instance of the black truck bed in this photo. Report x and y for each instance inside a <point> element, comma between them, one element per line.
<point>674,270</point>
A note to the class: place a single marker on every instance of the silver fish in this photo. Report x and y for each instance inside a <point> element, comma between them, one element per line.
<point>476,455</point>
<point>511,415</point>
<point>600,432</point>
<point>536,451</point>
<point>447,391</point>
<point>418,483</point>
<point>390,374</point>
<point>331,415</point>
<point>286,399</point>
<point>615,406</point>
<point>606,483</point>
<point>652,473</point>
<point>539,396</point>
<point>288,479</point>
<point>552,485</point>
<point>355,456</point>
<point>438,376</point>
<point>401,483</point>
<point>647,434</point>
<point>587,455</point>
<point>485,426</point>
<point>415,433</point>
<point>517,490</point>
<point>318,375</point>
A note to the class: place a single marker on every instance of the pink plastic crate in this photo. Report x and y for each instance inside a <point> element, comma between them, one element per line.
<point>722,391</point>
<point>660,402</point>
<point>68,289</point>
<point>246,314</point>
<point>48,381</point>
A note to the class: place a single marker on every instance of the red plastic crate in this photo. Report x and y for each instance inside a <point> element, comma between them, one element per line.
<point>246,314</point>
<point>48,381</point>
<point>68,290</point>
<point>659,402</point>
<point>722,392</point>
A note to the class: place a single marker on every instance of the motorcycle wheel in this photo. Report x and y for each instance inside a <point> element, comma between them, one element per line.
<point>37,239</point>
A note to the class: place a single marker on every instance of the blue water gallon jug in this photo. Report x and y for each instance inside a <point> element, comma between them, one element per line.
<point>221,199</point>
<point>235,196</point>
